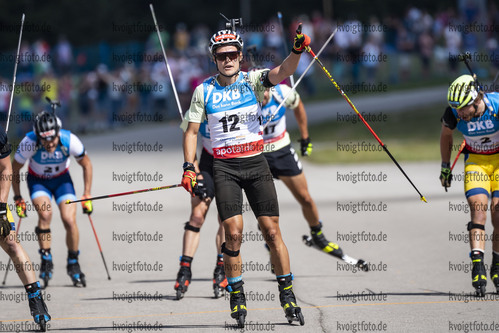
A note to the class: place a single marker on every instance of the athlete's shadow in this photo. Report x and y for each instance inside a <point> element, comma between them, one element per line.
<point>140,328</point>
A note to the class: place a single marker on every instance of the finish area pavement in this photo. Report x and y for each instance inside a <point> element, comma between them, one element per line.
<point>420,277</point>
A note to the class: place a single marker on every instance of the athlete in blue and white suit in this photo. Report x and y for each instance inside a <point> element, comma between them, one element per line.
<point>48,149</point>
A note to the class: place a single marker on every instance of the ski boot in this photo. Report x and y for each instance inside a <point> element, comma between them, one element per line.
<point>494,271</point>
<point>37,306</point>
<point>478,273</point>
<point>288,299</point>
<point>237,302</point>
<point>219,279</point>
<point>46,267</point>
<point>74,271</point>
<point>183,276</point>
<point>319,240</point>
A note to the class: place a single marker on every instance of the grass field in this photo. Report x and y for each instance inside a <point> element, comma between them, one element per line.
<point>411,135</point>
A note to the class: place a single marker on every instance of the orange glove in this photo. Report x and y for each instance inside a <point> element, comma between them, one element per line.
<point>87,205</point>
<point>189,178</point>
<point>20,206</point>
<point>301,42</point>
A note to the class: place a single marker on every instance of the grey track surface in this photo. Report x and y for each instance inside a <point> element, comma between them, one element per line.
<point>420,284</point>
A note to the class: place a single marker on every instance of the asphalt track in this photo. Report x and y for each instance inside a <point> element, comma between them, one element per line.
<point>419,282</point>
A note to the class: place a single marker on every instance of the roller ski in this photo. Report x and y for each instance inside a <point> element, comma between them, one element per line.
<point>37,306</point>
<point>478,273</point>
<point>237,303</point>
<point>219,279</point>
<point>494,271</point>
<point>288,300</point>
<point>74,271</point>
<point>319,241</point>
<point>46,267</point>
<point>184,276</point>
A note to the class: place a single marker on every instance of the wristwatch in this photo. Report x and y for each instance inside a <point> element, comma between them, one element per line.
<point>187,165</point>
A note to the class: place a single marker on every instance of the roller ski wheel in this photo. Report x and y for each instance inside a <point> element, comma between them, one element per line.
<point>183,280</point>
<point>75,273</point>
<point>46,267</point>
<point>219,280</point>
<point>37,307</point>
<point>478,274</point>
<point>238,303</point>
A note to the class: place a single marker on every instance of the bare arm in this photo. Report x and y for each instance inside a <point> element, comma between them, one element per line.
<point>86,164</point>
<point>301,119</point>
<point>5,178</point>
<point>190,142</point>
<point>446,144</point>
<point>284,70</point>
<point>16,179</point>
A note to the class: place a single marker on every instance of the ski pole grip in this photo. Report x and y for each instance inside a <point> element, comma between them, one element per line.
<point>298,30</point>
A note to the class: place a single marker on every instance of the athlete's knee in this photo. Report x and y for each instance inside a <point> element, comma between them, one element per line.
<point>231,251</point>
<point>305,199</point>
<point>44,216</point>
<point>197,219</point>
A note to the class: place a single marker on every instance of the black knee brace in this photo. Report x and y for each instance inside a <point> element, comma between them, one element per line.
<point>39,231</point>
<point>191,228</point>
<point>472,225</point>
<point>229,252</point>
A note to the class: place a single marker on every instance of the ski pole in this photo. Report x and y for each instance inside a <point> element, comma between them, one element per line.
<point>100,248</point>
<point>15,71</point>
<point>364,121</point>
<point>8,263</point>
<point>125,193</point>
<point>283,35</point>
<point>458,153</point>
<point>166,61</point>
<point>293,88</point>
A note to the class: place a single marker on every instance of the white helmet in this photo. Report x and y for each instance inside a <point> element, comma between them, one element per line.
<point>224,38</point>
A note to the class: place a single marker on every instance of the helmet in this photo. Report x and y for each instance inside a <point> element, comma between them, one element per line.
<point>462,92</point>
<point>224,38</point>
<point>47,125</point>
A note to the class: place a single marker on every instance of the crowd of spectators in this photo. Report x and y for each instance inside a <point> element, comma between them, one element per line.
<point>100,87</point>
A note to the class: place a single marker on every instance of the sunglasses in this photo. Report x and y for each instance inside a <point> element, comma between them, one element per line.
<point>223,55</point>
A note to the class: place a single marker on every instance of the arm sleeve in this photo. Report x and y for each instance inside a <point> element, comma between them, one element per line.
<point>258,79</point>
<point>449,119</point>
<point>5,147</point>
<point>196,113</point>
<point>25,150</point>
<point>293,100</point>
<point>76,147</point>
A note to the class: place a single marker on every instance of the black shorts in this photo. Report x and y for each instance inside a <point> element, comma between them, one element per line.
<point>206,162</point>
<point>206,168</point>
<point>284,162</point>
<point>251,174</point>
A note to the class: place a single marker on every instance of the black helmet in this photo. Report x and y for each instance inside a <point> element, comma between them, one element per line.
<point>47,125</point>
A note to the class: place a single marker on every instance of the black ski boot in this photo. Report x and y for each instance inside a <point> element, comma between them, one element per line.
<point>322,243</point>
<point>237,302</point>
<point>478,273</point>
<point>46,267</point>
<point>37,306</point>
<point>288,299</point>
<point>74,271</point>
<point>184,276</point>
<point>494,271</point>
<point>219,279</point>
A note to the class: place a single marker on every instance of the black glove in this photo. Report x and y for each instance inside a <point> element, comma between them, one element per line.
<point>200,189</point>
<point>306,147</point>
<point>446,175</point>
<point>5,226</point>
